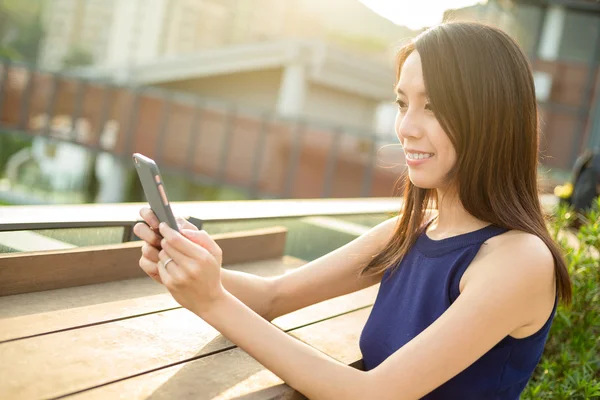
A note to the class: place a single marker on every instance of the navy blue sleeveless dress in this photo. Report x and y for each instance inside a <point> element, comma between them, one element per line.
<point>424,285</point>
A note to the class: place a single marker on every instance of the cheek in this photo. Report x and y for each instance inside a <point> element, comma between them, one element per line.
<point>397,126</point>
<point>444,146</point>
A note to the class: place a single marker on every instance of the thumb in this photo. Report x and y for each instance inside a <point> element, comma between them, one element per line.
<point>203,239</point>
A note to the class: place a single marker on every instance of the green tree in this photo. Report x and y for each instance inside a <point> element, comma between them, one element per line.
<point>21,29</point>
<point>77,56</point>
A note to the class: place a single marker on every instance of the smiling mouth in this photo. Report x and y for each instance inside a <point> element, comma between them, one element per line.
<point>419,156</point>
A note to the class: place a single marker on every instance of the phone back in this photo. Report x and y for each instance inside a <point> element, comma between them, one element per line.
<point>154,189</point>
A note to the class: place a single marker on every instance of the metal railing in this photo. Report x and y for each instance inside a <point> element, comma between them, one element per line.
<point>208,142</point>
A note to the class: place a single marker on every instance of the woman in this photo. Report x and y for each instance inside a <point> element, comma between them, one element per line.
<point>468,289</point>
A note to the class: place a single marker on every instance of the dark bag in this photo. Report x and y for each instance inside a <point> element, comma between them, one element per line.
<point>586,182</point>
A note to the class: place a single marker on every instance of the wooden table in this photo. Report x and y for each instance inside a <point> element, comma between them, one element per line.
<point>128,338</point>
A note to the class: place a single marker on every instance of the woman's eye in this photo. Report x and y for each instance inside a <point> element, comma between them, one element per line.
<point>401,105</point>
<point>428,107</point>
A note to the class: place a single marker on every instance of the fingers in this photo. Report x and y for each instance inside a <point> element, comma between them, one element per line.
<point>144,232</point>
<point>177,241</point>
<point>188,265</point>
<point>150,218</point>
<point>148,215</point>
<point>203,239</point>
<point>150,252</point>
<point>165,277</point>
<point>185,224</point>
<point>173,272</point>
<point>150,268</point>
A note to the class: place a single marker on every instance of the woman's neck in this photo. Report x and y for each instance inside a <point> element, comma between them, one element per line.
<point>452,218</point>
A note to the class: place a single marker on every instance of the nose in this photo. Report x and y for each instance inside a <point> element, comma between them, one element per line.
<point>407,126</point>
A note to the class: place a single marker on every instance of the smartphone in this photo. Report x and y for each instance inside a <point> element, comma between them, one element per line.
<point>154,189</point>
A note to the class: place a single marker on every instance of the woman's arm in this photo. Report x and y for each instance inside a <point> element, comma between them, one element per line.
<point>514,286</point>
<point>332,275</point>
<point>254,291</point>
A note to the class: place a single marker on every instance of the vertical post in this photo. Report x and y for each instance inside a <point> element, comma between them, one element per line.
<point>331,161</point>
<point>132,123</point>
<point>586,99</point>
<point>50,106</point>
<point>552,31</point>
<point>106,103</point>
<point>365,190</point>
<point>77,108</point>
<point>164,122</point>
<point>128,234</point>
<point>293,89</point>
<point>26,99</point>
<point>193,138</point>
<point>533,56</point>
<point>594,139</point>
<point>225,144</point>
<point>5,68</point>
<point>258,155</point>
<point>294,160</point>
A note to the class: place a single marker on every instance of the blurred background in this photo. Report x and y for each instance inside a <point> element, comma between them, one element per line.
<point>251,99</point>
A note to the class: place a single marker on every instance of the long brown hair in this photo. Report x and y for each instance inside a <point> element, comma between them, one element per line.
<point>480,85</point>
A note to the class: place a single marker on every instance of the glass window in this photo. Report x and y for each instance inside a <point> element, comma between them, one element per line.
<point>528,19</point>
<point>580,36</point>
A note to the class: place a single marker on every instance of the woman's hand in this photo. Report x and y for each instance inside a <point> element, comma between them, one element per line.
<point>190,267</point>
<point>148,232</point>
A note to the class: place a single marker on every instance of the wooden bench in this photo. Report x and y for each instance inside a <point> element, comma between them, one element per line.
<point>88,324</point>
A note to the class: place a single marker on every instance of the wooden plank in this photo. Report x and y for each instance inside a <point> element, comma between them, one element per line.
<point>324,310</point>
<point>233,374</point>
<point>31,272</point>
<point>38,313</point>
<point>66,362</point>
<point>254,245</point>
<point>29,217</point>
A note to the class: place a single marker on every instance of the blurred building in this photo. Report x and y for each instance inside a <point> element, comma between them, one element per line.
<point>72,25</point>
<point>328,61</point>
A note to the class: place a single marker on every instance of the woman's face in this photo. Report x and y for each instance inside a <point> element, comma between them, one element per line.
<point>429,152</point>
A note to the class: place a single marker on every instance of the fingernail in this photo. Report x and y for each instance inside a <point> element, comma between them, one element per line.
<point>188,232</point>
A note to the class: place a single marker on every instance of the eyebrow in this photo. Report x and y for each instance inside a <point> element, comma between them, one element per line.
<point>421,94</point>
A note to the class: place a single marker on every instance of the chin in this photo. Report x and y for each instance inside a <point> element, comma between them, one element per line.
<point>423,182</point>
<point>423,185</point>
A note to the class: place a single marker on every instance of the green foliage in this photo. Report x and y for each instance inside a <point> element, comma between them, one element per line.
<point>21,29</point>
<point>78,57</point>
<point>570,366</point>
<point>10,143</point>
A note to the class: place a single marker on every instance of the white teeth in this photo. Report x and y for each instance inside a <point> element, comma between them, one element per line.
<point>418,156</point>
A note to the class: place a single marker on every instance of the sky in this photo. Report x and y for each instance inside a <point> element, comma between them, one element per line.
<point>416,14</point>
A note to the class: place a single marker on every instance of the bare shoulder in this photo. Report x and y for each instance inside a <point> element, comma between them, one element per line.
<point>521,248</point>
<point>522,263</point>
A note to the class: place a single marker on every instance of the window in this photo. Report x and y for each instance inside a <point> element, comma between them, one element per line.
<point>528,19</point>
<point>580,36</point>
